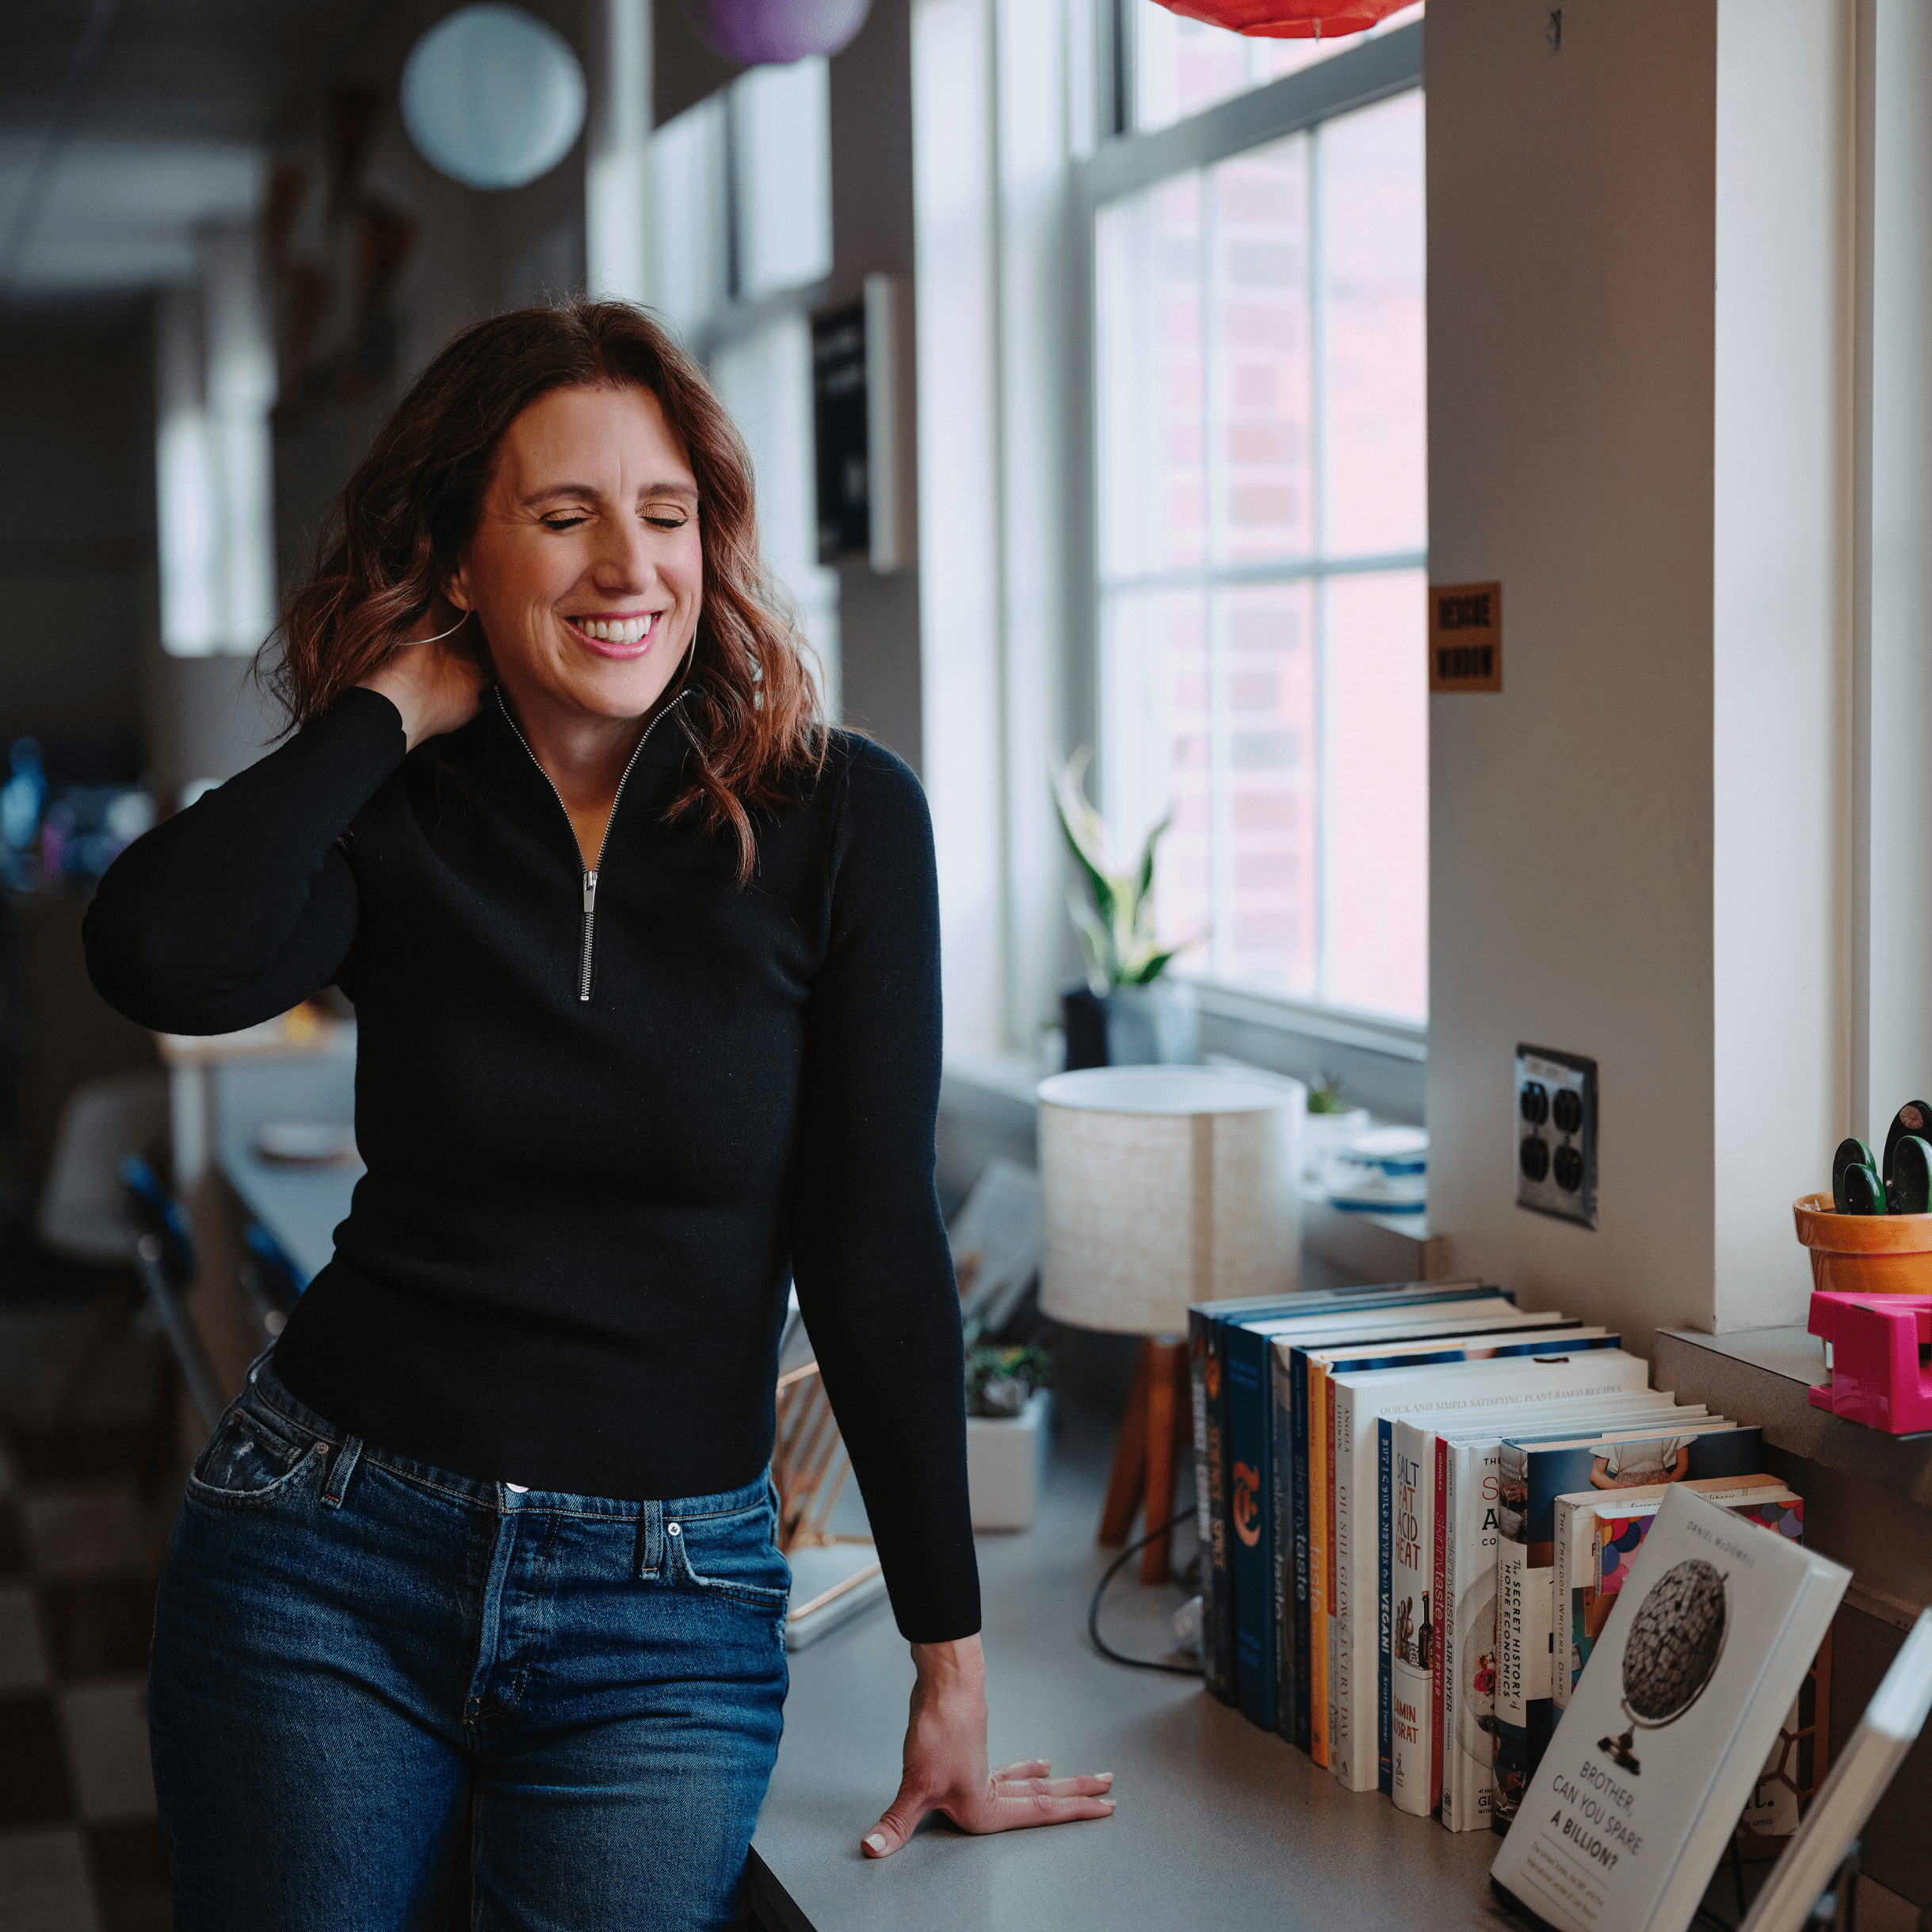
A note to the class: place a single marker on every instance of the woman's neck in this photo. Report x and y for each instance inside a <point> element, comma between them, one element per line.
<point>583,756</point>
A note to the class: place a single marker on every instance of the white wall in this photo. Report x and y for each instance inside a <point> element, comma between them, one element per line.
<point>1892,569</point>
<point>1641,413</point>
<point>1781,638</point>
<point>1571,238</point>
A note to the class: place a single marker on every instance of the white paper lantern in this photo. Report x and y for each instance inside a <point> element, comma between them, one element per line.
<point>492,97</point>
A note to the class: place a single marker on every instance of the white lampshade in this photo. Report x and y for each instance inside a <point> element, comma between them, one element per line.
<point>492,96</point>
<point>1166,1185</point>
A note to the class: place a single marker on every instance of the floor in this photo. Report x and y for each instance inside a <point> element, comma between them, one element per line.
<point>80,1847</point>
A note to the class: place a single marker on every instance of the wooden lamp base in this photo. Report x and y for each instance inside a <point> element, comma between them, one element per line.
<point>1159,1418</point>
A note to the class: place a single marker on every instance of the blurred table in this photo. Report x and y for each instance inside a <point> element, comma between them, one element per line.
<point>221,1088</point>
<point>300,1205</point>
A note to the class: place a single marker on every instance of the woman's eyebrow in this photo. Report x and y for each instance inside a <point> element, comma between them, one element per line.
<point>684,492</point>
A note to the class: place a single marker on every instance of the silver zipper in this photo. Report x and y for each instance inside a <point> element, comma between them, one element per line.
<point>587,945</point>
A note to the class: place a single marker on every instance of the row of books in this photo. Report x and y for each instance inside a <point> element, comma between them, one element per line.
<point>1379,1474</point>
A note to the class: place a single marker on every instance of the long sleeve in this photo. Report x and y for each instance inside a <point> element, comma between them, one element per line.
<point>231,912</point>
<point>869,1253</point>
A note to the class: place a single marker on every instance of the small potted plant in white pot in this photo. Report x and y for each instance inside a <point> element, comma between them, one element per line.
<point>1127,1014</point>
<point>1008,1414</point>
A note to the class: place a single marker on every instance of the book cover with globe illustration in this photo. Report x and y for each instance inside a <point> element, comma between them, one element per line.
<point>1651,1766</point>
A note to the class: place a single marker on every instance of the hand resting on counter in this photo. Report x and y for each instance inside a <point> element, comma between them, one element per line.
<point>945,1762</point>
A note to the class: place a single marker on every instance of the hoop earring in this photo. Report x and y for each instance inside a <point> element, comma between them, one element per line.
<point>440,635</point>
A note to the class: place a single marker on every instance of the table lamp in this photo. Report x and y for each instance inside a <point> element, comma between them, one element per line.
<point>1164,1186</point>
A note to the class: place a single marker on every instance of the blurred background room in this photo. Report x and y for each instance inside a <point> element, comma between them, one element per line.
<point>1108,436</point>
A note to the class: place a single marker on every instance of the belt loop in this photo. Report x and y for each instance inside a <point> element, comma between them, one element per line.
<point>340,1471</point>
<point>650,1540</point>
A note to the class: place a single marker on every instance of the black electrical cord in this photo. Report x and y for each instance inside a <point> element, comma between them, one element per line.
<point>1092,1609</point>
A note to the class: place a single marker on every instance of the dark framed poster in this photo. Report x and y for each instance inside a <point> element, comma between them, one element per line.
<point>841,432</point>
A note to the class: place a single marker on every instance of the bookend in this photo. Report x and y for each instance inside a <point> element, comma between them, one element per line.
<point>1803,1756</point>
<point>833,1577</point>
<point>1879,1371</point>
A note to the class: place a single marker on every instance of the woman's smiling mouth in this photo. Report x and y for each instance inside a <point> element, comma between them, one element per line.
<point>618,636</point>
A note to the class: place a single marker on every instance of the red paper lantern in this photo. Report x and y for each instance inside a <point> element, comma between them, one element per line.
<point>1286,19</point>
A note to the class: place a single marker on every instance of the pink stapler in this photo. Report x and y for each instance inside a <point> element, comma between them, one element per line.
<point>1880,1348</point>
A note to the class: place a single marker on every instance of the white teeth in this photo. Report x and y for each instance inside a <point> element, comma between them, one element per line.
<point>624,631</point>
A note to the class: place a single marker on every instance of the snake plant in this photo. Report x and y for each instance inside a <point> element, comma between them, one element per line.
<point>1116,928</point>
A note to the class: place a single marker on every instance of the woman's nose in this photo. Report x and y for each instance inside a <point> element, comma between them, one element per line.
<point>624,561</point>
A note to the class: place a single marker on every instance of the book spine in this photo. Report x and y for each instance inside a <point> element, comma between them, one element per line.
<point>1411,1646</point>
<point>1315,1397</point>
<point>1568,1592</point>
<point>1470,1730</point>
<point>1560,1635</point>
<point>1351,1749</point>
<point>1206,1496</point>
<point>1446,1699</point>
<point>1296,1666</point>
<point>1251,1552</point>
<point>1438,1675</point>
<point>1384,1585</point>
<point>1522,1682</point>
<point>1283,1608</point>
<point>1331,1586</point>
<point>1210,1505</point>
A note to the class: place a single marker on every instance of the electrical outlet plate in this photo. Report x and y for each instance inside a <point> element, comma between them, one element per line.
<point>1555,1126</point>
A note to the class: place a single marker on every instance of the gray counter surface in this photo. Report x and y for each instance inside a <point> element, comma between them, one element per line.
<point>1220,1824</point>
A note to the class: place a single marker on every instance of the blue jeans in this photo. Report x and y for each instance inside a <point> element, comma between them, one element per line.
<point>362,1663</point>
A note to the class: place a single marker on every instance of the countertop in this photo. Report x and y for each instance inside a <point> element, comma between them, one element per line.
<point>1219,1824</point>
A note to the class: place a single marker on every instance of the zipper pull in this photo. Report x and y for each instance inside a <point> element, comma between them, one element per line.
<point>590,893</point>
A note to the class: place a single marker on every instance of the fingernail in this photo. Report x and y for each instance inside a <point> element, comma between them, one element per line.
<point>1106,1778</point>
<point>877,1840</point>
<point>1106,1804</point>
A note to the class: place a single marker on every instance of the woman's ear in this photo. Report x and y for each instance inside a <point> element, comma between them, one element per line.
<point>457,589</point>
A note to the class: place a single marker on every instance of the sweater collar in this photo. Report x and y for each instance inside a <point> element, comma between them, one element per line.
<point>668,743</point>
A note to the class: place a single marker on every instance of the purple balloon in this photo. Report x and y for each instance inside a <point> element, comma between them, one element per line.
<point>760,32</point>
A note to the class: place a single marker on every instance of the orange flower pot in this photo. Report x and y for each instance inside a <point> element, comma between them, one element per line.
<point>1864,1254</point>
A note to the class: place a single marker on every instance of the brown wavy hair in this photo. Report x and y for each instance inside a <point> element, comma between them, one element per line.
<point>400,530</point>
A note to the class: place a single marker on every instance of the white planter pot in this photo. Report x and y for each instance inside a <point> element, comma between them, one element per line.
<point>1006,1464</point>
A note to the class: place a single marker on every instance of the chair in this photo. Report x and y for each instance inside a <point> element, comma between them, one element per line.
<point>80,1215</point>
<point>270,1278</point>
<point>164,1259</point>
<point>102,1122</point>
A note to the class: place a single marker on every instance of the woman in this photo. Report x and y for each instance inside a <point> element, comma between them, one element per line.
<point>644,962</point>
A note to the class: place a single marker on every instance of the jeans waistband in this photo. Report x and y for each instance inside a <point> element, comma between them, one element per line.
<point>266,1388</point>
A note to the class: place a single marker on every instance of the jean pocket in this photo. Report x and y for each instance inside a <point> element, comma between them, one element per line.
<point>251,1459</point>
<point>736,1556</point>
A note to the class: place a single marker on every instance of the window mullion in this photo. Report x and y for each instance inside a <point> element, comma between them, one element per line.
<point>1214,460</point>
<point>1318,455</point>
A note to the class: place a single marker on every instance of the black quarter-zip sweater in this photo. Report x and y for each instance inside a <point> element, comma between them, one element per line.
<point>566,1265</point>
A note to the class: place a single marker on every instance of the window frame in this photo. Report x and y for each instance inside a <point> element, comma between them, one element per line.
<point>1127,161</point>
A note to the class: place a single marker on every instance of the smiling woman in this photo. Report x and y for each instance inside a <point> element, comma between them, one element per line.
<point>644,958</point>
<point>587,424</point>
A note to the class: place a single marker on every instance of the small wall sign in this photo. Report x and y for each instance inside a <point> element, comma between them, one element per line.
<point>1465,637</point>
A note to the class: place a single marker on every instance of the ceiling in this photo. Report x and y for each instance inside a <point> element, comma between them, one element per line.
<point>125,123</point>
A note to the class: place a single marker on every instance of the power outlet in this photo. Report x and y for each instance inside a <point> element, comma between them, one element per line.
<point>1555,1134</point>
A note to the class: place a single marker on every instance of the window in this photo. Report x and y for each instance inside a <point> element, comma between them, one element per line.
<point>742,233</point>
<point>742,196</point>
<point>1261,543</point>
